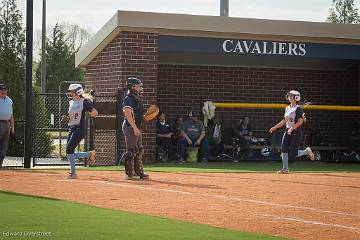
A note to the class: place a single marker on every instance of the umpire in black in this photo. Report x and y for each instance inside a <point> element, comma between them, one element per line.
<point>133,115</point>
<point>6,121</point>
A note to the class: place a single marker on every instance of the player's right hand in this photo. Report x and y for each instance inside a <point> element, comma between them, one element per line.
<point>273,129</point>
<point>136,132</point>
<point>65,119</point>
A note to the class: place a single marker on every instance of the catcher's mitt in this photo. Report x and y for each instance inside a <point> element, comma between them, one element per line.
<point>151,113</point>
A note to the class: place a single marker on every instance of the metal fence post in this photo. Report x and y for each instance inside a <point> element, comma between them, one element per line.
<point>118,122</point>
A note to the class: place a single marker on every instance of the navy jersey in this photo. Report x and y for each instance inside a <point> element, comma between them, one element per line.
<point>136,106</point>
<point>292,115</point>
<point>242,131</point>
<point>163,128</point>
<point>77,111</point>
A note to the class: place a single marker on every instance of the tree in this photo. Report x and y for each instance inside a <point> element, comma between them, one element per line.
<point>76,36</point>
<point>343,11</point>
<point>60,59</point>
<point>12,61</point>
<point>12,53</point>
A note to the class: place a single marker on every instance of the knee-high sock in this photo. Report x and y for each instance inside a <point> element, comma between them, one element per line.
<point>301,153</point>
<point>81,155</point>
<point>71,158</point>
<point>285,160</point>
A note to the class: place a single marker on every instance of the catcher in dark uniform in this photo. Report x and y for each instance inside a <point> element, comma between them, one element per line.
<point>133,116</point>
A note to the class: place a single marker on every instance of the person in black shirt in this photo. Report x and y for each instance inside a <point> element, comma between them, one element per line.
<point>164,134</point>
<point>133,115</point>
<point>244,134</point>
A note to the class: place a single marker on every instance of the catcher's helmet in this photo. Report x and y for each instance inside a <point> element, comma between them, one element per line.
<point>131,81</point>
<point>265,152</point>
<point>77,88</point>
<point>295,93</point>
<point>3,86</point>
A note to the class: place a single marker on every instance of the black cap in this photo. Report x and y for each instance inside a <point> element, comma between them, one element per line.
<point>3,86</point>
<point>193,114</point>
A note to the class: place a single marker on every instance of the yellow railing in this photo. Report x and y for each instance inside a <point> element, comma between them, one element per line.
<point>282,106</point>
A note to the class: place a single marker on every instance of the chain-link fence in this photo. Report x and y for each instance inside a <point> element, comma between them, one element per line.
<point>14,156</point>
<point>50,132</point>
<point>105,138</point>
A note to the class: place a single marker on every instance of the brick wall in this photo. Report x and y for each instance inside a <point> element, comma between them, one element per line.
<point>177,89</point>
<point>181,88</point>
<point>129,54</point>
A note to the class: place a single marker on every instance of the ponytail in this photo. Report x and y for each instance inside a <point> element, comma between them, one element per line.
<point>87,96</point>
<point>301,104</point>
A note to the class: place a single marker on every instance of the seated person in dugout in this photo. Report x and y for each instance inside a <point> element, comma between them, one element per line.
<point>177,129</point>
<point>175,137</point>
<point>193,134</point>
<point>164,134</point>
<point>243,134</point>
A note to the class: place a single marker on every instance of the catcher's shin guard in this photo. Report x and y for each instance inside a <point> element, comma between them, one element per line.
<point>138,165</point>
<point>128,158</point>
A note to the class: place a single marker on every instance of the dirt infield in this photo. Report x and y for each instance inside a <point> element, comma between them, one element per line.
<point>299,205</point>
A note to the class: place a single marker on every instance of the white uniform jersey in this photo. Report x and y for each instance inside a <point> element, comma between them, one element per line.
<point>292,115</point>
<point>77,111</point>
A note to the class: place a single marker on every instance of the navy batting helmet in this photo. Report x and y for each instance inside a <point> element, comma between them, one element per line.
<point>77,88</point>
<point>294,93</point>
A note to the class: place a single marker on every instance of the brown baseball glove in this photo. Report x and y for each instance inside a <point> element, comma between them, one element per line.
<point>151,113</point>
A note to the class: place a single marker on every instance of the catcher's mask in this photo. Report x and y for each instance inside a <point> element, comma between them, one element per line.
<point>77,88</point>
<point>132,81</point>
<point>294,93</point>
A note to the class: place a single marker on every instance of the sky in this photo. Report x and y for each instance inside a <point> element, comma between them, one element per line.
<point>93,14</point>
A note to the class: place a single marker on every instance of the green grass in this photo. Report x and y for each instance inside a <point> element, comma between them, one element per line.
<point>243,167</point>
<point>68,220</point>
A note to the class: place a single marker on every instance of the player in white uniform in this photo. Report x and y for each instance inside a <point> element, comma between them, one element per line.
<point>293,119</point>
<point>80,104</point>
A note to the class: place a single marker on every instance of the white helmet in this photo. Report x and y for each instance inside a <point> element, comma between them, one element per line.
<point>295,93</point>
<point>77,88</point>
<point>265,152</point>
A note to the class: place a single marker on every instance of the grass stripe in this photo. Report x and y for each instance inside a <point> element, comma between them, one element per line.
<point>68,220</point>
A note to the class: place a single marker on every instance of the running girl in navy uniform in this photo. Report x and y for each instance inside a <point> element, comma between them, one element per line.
<point>80,104</point>
<point>293,119</point>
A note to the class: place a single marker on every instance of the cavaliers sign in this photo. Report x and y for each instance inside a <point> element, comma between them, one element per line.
<point>264,47</point>
<point>257,47</point>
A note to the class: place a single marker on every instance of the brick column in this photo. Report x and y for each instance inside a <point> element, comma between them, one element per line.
<point>139,55</point>
<point>129,54</point>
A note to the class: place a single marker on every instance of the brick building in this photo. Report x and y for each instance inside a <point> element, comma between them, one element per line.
<point>186,59</point>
